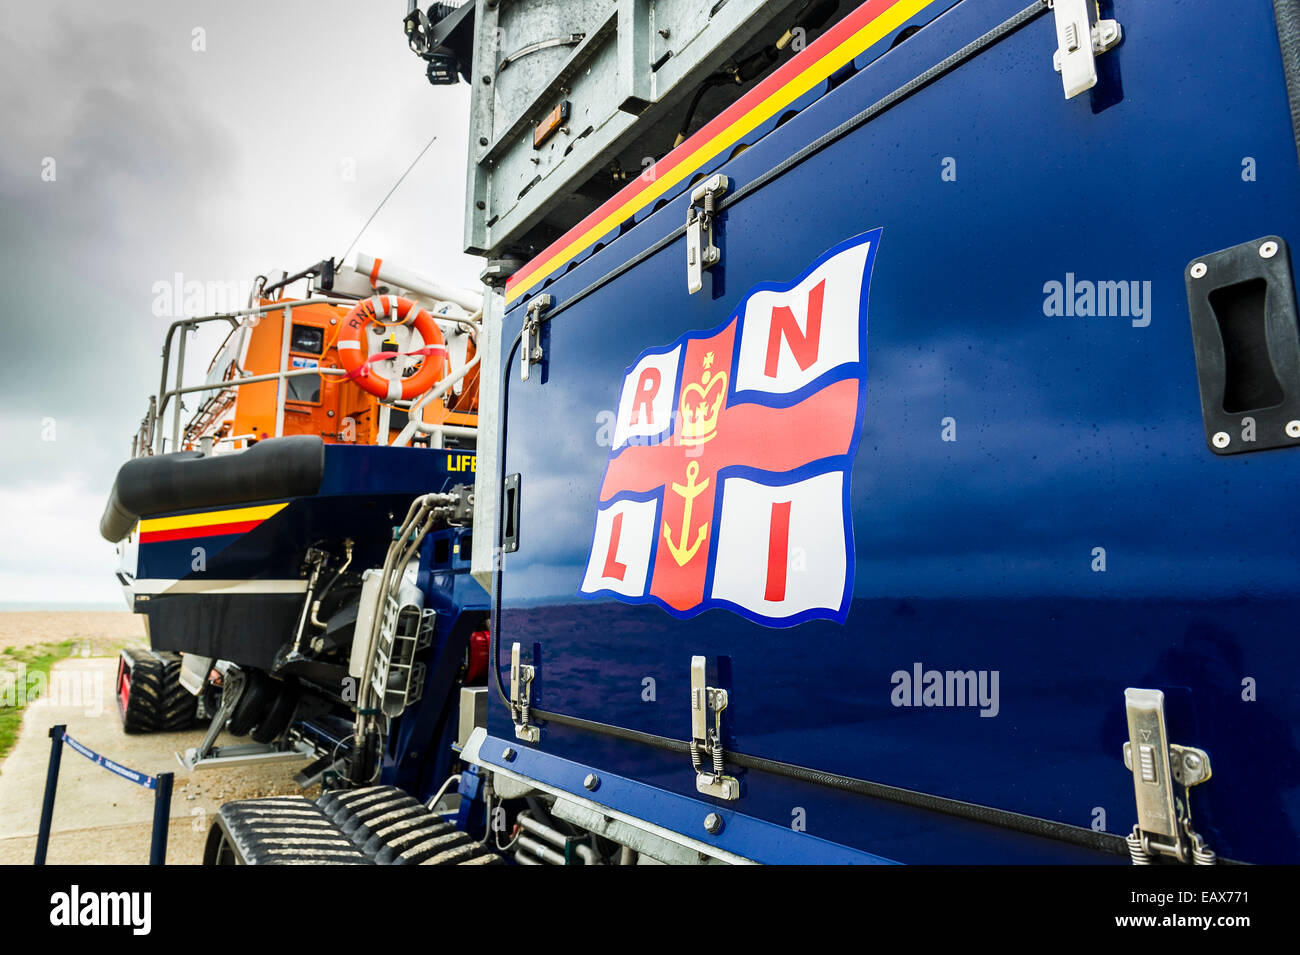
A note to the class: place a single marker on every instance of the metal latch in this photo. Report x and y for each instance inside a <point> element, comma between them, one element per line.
<point>1080,38</point>
<point>701,253</point>
<point>521,694</point>
<point>530,350</point>
<point>706,739</point>
<point>1163,772</point>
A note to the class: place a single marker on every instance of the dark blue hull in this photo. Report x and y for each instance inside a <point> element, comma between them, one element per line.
<point>237,596</point>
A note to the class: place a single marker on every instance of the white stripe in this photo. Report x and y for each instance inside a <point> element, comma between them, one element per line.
<point>162,586</point>
<point>349,345</point>
<point>394,389</point>
<point>377,303</point>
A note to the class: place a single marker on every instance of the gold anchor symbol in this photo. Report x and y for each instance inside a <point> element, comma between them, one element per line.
<point>689,492</point>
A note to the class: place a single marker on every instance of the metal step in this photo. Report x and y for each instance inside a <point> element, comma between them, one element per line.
<point>376,825</point>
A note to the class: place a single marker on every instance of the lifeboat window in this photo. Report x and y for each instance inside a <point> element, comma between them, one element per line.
<point>307,339</point>
<point>304,388</point>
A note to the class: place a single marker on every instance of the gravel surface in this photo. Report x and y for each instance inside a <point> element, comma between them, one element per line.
<point>99,630</point>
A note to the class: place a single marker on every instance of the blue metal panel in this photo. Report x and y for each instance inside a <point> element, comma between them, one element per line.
<point>1072,434</point>
<point>420,755</point>
<point>741,834</point>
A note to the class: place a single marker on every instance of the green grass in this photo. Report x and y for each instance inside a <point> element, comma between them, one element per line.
<point>24,661</point>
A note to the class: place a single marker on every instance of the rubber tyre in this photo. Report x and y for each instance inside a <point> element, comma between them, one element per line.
<point>279,715</point>
<point>140,679</point>
<point>254,703</point>
<point>179,705</point>
<point>219,850</point>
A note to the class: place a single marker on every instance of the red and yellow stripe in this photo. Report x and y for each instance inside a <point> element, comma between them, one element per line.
<point>236,520</point>
<point>838,46</point>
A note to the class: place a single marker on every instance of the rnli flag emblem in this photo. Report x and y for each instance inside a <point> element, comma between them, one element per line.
<point>729,472</point>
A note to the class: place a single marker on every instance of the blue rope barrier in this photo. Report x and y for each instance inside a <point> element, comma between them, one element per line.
<point>160,784</point>
<point>140,779</point>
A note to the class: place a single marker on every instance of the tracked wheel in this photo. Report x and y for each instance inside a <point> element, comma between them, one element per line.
<point>375,825</point>
<point>179,706</point>
<point>139,689</point>
<point>255,702</point>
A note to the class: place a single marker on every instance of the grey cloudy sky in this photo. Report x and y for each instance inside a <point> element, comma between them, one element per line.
<point>216,164</point>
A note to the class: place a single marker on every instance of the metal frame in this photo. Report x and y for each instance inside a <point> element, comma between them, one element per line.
<point>635,63</point>
<point>158,407</point>
<point>149,439</point>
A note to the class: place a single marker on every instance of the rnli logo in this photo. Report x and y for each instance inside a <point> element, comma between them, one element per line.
<point>728,478</point>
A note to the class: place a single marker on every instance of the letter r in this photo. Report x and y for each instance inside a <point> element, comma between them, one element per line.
<point>646,390</point>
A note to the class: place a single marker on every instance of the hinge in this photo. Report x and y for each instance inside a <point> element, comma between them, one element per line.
<point>701,253</point>
<point>1163,772</point>
<point>521,695</point>
<point>1080,38</point>
<point>530,350</point>
<point>706,740</point>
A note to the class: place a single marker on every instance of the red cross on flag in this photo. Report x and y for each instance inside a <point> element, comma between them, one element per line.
<point>728,478</point>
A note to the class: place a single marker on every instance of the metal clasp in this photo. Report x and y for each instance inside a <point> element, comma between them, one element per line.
<point>701,253</point>
<point>1080,39</point>
<point>1164,823</point>
<point>706,739</point>
<point>530,350</point>
<point>521,695</point>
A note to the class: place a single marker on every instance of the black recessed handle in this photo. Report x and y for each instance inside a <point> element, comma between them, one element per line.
<point>510,514</point>
<point>1247,342</point>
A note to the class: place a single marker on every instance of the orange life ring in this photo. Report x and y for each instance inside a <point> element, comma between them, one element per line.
<point>354,352</point>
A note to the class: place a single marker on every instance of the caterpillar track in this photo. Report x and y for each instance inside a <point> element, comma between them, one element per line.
<point>149,693</point>
<point>376,825</point>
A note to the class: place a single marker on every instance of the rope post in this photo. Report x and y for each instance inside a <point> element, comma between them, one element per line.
<point>162,811</point>
<point>51,786</point>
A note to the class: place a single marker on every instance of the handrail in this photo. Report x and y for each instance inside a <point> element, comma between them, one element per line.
<point>235,318</point>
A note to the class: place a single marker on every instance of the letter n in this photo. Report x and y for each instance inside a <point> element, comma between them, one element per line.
<point>803,344</point>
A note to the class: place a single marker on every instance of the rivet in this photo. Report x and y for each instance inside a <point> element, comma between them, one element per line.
<point>1199,270</point>
<point>1293,429</point>
<point>592,782</point>
<point>1221,439</point>
<point>508,754</point>
<point>713,823</point>
<point>1268,249</point>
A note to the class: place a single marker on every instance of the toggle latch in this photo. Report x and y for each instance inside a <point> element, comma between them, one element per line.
<point>521,695</point>
<point>530,349</point>
<point>1163,772</point>
<point>701,253</point>
<point>706,740</point>
<point>1080,38</point>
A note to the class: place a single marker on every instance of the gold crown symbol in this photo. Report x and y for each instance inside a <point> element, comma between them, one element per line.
<point>701,403</point>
